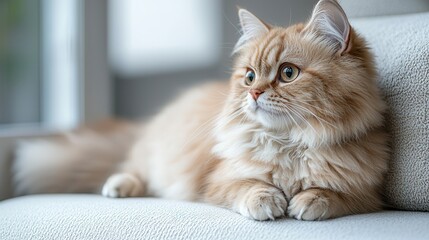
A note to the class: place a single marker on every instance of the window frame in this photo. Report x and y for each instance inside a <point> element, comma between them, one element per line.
<point>93,81</point>
<point>91,70</point>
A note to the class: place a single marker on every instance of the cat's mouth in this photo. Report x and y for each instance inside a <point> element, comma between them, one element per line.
<point>262,108</point>
<point>270,116</point>
<point>262,111</point>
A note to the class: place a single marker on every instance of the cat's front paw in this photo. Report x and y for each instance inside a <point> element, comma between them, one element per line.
<point>122,185</point>
<point>263,204</point>
<point>310,205</point>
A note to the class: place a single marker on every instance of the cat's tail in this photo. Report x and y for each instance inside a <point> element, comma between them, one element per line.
<point>74,162</point>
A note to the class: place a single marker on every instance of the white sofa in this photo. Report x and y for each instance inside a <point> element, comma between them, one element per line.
<point>401,44</point>
<point>95,217</point>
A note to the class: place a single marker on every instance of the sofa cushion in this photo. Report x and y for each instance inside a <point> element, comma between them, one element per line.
<point>401,46</point>
<point>95,217</point>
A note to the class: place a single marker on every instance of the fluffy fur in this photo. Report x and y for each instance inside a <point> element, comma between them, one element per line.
<point>312,148</point>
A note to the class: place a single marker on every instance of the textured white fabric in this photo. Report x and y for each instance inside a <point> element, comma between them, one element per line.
<point>401,46</point>
<point>95,217</point>
<point>369,8</point>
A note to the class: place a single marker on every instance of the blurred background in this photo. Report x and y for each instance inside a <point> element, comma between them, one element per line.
<point>63,62</point>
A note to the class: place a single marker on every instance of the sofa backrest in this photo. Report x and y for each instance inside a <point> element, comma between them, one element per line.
<point>371,8</point>
<point>401,46</point>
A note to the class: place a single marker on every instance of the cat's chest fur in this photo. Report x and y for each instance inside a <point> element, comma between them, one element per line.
<point>274,157</point>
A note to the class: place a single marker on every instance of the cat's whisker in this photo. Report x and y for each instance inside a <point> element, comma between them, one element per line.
<point>299,116</point>
<point>243,119</point>
<point>287,111</point>
<point>320,120</point>
<point>229,117</point>
<point>304,120</point>
<point>307,111</point>
<point>292,118</point>
<point>286,101</point>
<point>324,111</point>
<point>286,120</point>
<point>315,116</point>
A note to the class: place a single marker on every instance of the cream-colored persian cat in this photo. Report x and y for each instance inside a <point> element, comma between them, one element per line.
<point>297,131</point>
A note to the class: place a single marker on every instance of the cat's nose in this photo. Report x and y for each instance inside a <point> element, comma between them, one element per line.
<point>255,93</point>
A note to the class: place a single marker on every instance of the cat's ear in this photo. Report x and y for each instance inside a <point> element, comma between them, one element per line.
<point>251,27</point>
<point>330,20</point>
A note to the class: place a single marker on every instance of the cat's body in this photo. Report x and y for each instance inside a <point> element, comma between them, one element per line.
<point>297,130</point>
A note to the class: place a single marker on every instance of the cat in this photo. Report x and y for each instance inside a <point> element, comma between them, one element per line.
<point>297,131</point>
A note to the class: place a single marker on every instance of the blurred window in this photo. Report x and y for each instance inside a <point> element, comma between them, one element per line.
<point>151,37</point>
<point>20,55</point>
<point>39,71</point>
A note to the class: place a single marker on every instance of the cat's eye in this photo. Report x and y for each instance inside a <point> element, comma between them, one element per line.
<point>288,73</point>
<point>250,77</point>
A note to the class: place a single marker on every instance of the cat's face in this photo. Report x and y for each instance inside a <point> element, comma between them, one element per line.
<point>303,76</point>
<point>285,78</point>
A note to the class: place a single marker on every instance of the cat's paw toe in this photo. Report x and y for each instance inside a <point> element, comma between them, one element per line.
<point>264,204</point>
<point>122,185</point>
<point>309,205</point>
